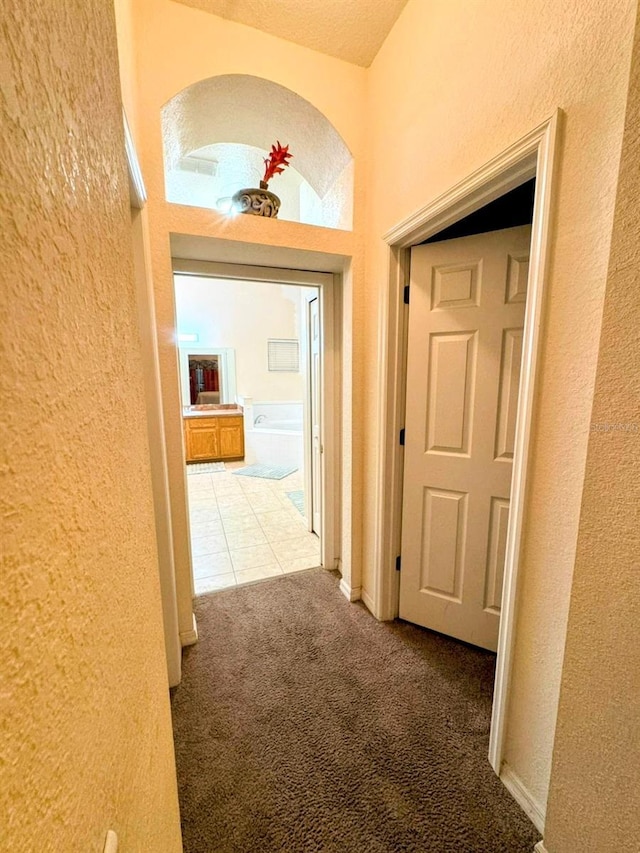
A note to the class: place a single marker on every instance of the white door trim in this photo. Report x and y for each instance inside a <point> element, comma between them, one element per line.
<point>327,284</point>
<point>309,481</point>
<point>531,156</point>
<point>137,191</point>
<point>523,797</point>
<point>305,335</point>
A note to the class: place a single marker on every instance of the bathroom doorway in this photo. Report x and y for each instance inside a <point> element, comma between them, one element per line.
<point>251,367</point>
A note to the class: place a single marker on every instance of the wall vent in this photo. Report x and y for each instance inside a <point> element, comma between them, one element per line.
<point>199,165</point>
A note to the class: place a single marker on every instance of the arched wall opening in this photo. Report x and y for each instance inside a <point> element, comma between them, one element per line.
<point>217,132</point>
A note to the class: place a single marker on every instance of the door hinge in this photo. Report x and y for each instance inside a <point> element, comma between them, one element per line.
<point>406,294</point>
<point>402,436</point>
<point>398,563</point>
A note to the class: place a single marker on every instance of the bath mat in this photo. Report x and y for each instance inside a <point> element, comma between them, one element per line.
<point>267,472</point>
<point>204,467</point>
<point>297,499</point>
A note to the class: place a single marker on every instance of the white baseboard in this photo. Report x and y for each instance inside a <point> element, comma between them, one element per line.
<point>188,638</point>
<point>524,799</point>
<point>368,602</point>
<point>351,594</point>
<point>540,848</point>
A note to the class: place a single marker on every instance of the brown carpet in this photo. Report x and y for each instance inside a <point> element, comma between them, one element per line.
<point>303,725</point>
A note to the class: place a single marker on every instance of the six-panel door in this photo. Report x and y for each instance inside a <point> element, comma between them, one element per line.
<point>466,321</point>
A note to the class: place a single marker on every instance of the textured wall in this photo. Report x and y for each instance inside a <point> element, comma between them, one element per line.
<point>85,736</point>
<point>201,46</point>
<point>593,801</point>
<point>454,84</point>
<point>125,27</point>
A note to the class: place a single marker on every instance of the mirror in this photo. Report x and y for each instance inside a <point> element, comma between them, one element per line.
<point>207,375</point>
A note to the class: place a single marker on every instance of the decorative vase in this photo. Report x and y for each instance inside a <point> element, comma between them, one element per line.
<point>257,202</point>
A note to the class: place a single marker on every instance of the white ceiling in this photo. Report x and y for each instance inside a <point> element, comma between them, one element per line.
<point>353,30</point>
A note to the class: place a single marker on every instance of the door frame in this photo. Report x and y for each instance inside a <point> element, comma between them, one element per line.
<point>330,369</point>
<point>308,410</point>
<point>153,401</point>
<point>534,155</point>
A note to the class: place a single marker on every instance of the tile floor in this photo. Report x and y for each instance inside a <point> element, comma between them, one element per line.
<point>244,529</point>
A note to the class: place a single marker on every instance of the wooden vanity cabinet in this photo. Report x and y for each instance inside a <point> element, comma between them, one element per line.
<point>231,438</point>
<point>213,439</point>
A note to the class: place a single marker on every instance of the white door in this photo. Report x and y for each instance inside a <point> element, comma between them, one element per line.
<point>466,316</point>
<point>315,385</point>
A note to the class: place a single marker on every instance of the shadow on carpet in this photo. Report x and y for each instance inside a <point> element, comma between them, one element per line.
<point>303,725</point>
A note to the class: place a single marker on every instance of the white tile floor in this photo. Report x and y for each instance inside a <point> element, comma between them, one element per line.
<point>244,529</point>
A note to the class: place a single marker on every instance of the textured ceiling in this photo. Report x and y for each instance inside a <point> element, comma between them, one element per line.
<point>352,30</point>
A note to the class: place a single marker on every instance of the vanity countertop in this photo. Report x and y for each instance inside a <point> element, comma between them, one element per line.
<point>215,410</point>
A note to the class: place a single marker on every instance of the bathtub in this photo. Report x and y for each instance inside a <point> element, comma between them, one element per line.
<point>284,425</point>
<point>274,435</point>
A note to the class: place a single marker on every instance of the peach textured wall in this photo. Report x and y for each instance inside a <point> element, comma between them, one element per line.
<point>85,730</point>
<point>201,45</point>
<point>454,84</point>
<point>598,732</point>
<point>125,27</point>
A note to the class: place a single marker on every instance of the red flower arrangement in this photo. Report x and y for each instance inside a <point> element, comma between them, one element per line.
<point>276,162</point>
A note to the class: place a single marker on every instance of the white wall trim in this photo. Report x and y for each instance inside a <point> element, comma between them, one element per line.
<point>367,600</point>
<point>248,272</point>
<point>137,191</point>
<point>545,142</point>
<point>350,593</point>
<point>330,423</point>
<point>523,797</point>
<point>189,638</point>
<point>111,842</point>
<point>540,848</point>
<point>533,155</point>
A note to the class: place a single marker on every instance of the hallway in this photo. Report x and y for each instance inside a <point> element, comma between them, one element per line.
<point>302,724</point>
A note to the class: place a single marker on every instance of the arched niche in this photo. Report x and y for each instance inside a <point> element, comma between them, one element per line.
<point>217,132</point>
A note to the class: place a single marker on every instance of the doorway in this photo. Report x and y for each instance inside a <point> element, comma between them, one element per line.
<point>468,287</point>
<point>533,156</point>
<point>257,512</point>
